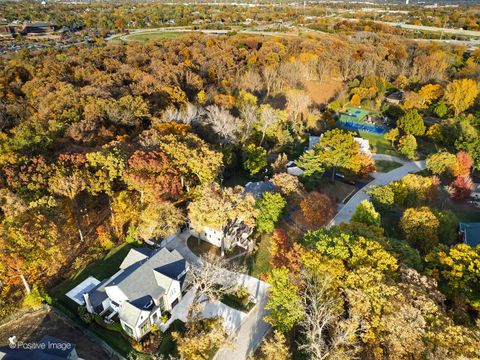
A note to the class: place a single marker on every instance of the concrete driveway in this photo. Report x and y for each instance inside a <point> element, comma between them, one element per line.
<point>247,330</point>
<point>380,179</point>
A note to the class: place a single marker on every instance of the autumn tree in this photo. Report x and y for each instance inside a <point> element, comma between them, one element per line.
<point>407,146</point>
<point>255,159</point>
<point>420,228</point>
<point>318,209</point>
<point>287,185</point>
<point>365,213</point>
<point>159,220</point>
<point>153,176</point>
<point>275,348</point>
<point>460,94</point>
<point>461,188</point>
<point>392,136</point>
<point>270,206</point>
<point>464,164</point>
<point>284,301</point>
<point>412,123</point>
<point>442,163</point>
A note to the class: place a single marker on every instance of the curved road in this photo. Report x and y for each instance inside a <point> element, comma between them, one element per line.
<point>346,212</point>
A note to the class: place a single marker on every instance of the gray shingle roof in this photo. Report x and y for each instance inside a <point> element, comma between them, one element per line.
<point>258,188</point>
<point>134,256</point>
<point>139,281</point>
<point>131,314</point>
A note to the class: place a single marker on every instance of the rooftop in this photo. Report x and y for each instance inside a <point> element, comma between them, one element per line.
<point>471,233</point>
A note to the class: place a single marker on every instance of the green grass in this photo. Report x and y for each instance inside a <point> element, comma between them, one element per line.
<point>259,262</point>
<point>236,303</point>
<point>378,144</point>
<point>147,36</point>
<point>385,166</point>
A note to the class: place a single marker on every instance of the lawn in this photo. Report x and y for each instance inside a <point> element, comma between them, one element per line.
<point>237,303</point>
<point>147,36</point>
<point>258,262</point>
<point>385,166</point>
<point>378,144</point>
<point>339,191</point>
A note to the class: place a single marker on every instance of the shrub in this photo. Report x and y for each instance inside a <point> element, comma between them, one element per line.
<point>84,315</point>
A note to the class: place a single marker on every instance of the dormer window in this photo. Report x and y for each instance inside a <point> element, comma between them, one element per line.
<point>148,305</point>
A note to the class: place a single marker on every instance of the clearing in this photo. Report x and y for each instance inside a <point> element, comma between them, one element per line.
<point>153,35</point>
<point>321,92</point>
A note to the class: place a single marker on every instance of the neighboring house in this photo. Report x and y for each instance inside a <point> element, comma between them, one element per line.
<point>258,188</point>
<point>470,233</point>
<point>148,283</point>
<point>49,348</point>
<point>395,97</point>
<point>236,233</point>
<point>293,169</point>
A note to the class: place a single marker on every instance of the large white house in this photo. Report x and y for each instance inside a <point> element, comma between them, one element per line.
<point>148,282</point>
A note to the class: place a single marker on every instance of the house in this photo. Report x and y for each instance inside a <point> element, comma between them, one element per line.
<point>236,233</point>
<point>258,188</point>
<point>148,283</point>
<point>6,32</point>
<point>48,348</point>
<point>470,233</point>
<point>293,169</point>
<point>37,28</point>
<point>395,97</point>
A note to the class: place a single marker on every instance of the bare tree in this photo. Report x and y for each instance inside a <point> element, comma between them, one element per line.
<point>223,123</point>
<point>211,277</point>
<point>186,115</point>
<point>327,336</point>
<point>268,117</point>
<point>297,103</point>
<point>251,81</point>
<point>248,113</point>
<point>271,79</point>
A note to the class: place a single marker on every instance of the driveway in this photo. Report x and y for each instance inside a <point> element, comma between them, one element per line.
<point>247,330</point>
<point>380,179</point>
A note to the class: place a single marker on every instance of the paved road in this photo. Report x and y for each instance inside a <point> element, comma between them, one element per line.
<point>247,333</point>
<point>380,179</point>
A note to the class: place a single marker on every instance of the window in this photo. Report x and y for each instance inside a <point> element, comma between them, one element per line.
<point>144,328</point>
<point>128,329</point>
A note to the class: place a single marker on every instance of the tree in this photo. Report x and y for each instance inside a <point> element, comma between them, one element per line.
<point>313,169</point>
<point>339,150</point>
<point>459,266</point>
<point>355,100</point>
<point>287,185</point>
<point>217,207</point>
<point>280,164</point>
<point>440,109</point>
<point>461,188</point>
<point>270,206</point>
<point>224,124</point>
<point>159,220</point>
<point>255,159</point>
<point>448,228</point>
<point>201,339</point>
<point>464,164</point>
<point>284,301</point>
<point>460,94</point>
<point>365,213</point>
<point>383,197</point>
<point>275,348</point>
<point>420,228</point>
<point>153,176</point>
<point>392,136</point>
<point>408,146</point>
<point>318,209</point>
<point>326,335</point>
<point>412,123</point>
<point>268,117</point>
<point>442,163</point>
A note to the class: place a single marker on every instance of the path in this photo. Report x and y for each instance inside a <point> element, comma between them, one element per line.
<point>346,212</point>
<point>251,329</point>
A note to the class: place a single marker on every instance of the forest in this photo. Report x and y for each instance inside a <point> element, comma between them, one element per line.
<point>120,143</point>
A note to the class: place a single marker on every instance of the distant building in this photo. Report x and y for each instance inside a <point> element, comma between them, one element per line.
<point>6,31</point>
<point>258,188</point>
<point>37,28</point>
<point>395,98</point>
<point>470,233</point>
